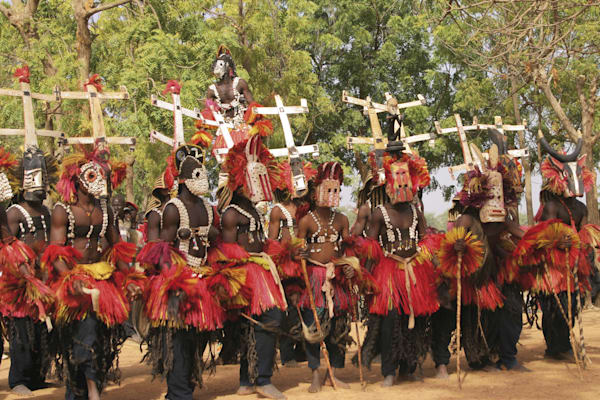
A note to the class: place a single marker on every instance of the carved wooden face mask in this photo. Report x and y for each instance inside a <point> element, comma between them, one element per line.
<point>493,209</point>
<point>93,178</point>
<point>258,185</point>
<point>34,175</point>
<point>399,188</point>
<point>328,193</point>
<point>192,172</point>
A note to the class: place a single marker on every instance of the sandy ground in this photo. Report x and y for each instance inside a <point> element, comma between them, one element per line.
<point>546,379</point>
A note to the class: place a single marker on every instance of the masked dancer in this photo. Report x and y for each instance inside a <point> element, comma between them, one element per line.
<point>244,274</point>
<point>398,316</point>
<point>558,251</point>
<point>334,278</point>
<point>179,305</point>
<point>492,311</point>
<point>88,267</point>
<point>29,222</point>
<point>284,247</point>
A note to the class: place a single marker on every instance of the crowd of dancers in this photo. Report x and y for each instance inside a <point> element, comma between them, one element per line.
<point>77,280</point>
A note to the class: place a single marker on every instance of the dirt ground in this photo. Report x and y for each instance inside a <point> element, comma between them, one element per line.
<point>546,379</point>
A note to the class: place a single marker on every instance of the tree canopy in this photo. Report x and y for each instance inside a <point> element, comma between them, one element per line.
<point>543,67</point>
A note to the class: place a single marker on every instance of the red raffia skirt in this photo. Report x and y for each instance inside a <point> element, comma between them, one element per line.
<point>113,306</point>
<point>391,275</point>
<point>22,295</point>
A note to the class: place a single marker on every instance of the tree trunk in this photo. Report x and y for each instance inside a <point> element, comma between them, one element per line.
<point>591,197</point>
<point>84,39</point>
<point>129,195</point>
<point>522,145</point>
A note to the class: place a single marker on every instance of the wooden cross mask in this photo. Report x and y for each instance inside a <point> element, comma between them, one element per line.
<point>292,151</point>
<point>178,139</point>
<point>461,130</point>
<point>94,94</point>
<point>30,132</point>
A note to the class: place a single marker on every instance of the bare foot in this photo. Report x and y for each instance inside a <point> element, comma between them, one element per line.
<point>442,372</point>
<point>22,391</point>
<point>291,364</point>
<point>315,386</point>
<point>338,384</point>
<point>246,390</point>
<point>93,393</point>
<point>388,381</point>
<point>271,392</point>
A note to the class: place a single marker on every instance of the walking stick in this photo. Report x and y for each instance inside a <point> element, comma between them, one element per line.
<point>574,343</point>
<point>363,384</point>
<point>584,358</point>
<point>564,314</point>
<point>311,299</point>
<point>458,307</point>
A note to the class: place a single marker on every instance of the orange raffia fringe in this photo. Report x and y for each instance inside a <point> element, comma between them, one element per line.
<point>472,258</point>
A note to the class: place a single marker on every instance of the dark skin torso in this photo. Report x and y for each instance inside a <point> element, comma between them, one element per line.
<point>88,249</point>
<point>492,230</point>
<point>400,217</point>
<point>555,209</point>
<point>225,89</point>
<point>308,227</point>
<point>198,217</point>
<point>4,231</point>
<point>153,218</point>
<point>232,219</point>
<point>37,242</point>
<point>362,220</point>
<point>276,216</point>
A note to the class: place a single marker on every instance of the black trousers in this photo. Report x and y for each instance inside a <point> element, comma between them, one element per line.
<point>85,343</point>
<point>25,354</point>
<point>337,354</point>
<point>179,378</point>
<point>503,326</point>
<point>554,325</point>
<point>289,348</point>
<point>443,323</point>
<point>265,349</point>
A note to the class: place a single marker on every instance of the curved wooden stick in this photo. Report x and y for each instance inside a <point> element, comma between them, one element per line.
<point>363,384</point>
<point>458,307</point>
<point>311,299</point>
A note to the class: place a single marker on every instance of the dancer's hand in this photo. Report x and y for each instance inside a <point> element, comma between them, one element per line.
<point>78,287</point>
<point>348,271</point>
<point>564,243</point>
<point>460,246</point>
<point>133,292</point>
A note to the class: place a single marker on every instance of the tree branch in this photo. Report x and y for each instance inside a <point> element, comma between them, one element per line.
<point>541,81</point>
<point>104,7</point>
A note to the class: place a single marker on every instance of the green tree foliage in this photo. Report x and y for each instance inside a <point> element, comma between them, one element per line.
<point>295,48</point>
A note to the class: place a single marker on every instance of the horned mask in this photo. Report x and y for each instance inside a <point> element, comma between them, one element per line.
<point>565,174</point>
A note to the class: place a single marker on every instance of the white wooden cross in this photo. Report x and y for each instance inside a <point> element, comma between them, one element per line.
<point>97,116</point>
<point>178,113</point>
<point>476,126</point>
<point>378,141</point>
<point>292,151</point>
<point>30,132</point>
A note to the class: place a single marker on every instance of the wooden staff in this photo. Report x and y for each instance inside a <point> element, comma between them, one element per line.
<point>363,384</point>
<point>458,307</point>
<point>574,343</point>
<point>584,358</point>
<point>311,299</point>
